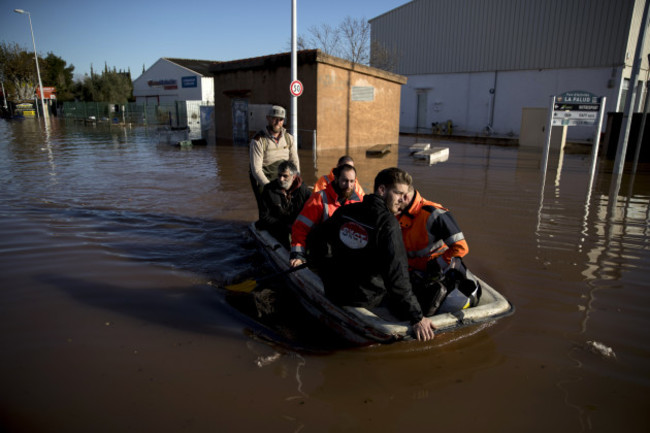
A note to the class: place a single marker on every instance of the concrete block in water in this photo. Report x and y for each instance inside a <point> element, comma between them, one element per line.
<point>419,147</point>
<point>433,155</point>
<point>378,150</point>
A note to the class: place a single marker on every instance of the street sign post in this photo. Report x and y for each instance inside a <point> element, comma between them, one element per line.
<point>575,108</point>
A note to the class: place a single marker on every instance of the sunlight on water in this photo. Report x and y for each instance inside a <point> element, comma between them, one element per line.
<point>109,240</point>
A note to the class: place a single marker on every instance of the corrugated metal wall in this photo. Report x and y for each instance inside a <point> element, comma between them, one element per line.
<point>447,36</point>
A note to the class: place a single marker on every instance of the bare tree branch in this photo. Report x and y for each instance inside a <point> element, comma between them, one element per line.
<point>349,40</point>
<point>355,33</point>
<point>301,44</point>
<point>382,57</point>
<point>326,38</point>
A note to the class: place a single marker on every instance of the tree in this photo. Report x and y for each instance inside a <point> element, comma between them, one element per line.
<point>382,57</point>
<point>355,35</point>
<point>350,40</point>
<point>19,70</point>
<point>111,86</point>
<point>55,72</point>
<point>326,38</point>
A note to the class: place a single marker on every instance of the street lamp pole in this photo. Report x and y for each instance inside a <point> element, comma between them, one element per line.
<point>38,71</point>
<point>4,94</point>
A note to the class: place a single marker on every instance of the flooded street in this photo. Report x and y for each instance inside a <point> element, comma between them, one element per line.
<point>111,244</point>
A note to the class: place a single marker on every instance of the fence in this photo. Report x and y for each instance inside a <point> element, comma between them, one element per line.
<point>177,113</point>
<point>196,115</point>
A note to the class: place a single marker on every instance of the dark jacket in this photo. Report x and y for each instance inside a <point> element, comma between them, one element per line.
<point>361,259</point>
<point>279,208</point>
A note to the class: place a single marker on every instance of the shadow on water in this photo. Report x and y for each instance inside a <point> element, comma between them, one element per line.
<point>216,253</point>
<point>293,329</point>
<point>213,249</point>
<point>201,309</point>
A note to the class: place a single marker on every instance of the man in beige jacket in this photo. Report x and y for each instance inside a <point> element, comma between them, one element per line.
<point>268,148</point>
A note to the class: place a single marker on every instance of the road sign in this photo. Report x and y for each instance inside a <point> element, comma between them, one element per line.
<point>574,118</point>
<point>577,97</point>
<point>573,122</point>
<point>296,88</point>
<point>576,108</point>
<point>584,115</point>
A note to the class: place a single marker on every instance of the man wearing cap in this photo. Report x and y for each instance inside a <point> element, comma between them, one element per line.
<point>268,148</point>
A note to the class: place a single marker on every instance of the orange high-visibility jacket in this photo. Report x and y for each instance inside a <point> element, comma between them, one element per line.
<point>429,231</point>
<point>318,208</point>
<point>326,179</point>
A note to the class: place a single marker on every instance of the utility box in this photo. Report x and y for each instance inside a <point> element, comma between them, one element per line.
<point>257,117</point>
<point>533,129</point>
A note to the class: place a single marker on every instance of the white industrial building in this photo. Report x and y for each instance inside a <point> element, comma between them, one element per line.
<point>170,80</point>
<point>481,63</point>
<point>185,83</point>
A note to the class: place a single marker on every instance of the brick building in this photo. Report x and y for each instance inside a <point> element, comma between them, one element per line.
<point>344,106</point>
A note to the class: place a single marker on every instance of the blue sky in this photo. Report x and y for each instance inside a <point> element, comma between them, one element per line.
<point>128,34</point>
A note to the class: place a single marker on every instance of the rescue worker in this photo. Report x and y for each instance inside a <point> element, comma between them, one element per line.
<point>268,148</point>
<point>326,179</point>
<point>320,206</point>
<point>281,202</point>
<point>435,246</point>
<point>367,237</point>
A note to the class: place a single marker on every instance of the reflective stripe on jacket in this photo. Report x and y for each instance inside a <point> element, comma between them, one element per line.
<point>429,231</point>
<point>327,179</point>
<point>323,181</point>
<point>320,206</point>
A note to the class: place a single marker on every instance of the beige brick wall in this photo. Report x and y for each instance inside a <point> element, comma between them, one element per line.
<point>324,106</point>
<point>343,123</point>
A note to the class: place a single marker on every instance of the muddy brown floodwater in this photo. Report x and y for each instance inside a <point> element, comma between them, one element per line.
<point>108,240</point>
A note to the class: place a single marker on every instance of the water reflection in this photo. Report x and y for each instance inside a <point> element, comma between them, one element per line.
<point>609,255</point>
<point>106,225</point>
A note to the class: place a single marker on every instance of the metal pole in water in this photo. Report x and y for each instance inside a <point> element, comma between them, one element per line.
<point>594,150</point>
<point>547,143</point>
<point>544,165</point>
<point>38,70</point>
<point>294,74</point>
<point>631,96</point>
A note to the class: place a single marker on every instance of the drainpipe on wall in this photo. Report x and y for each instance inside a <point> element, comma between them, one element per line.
<point>493,94</point>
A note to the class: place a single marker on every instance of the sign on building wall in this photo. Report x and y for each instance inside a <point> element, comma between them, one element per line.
<point>189,81</point>
<point>169,84</point>
<point>363,93</point>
